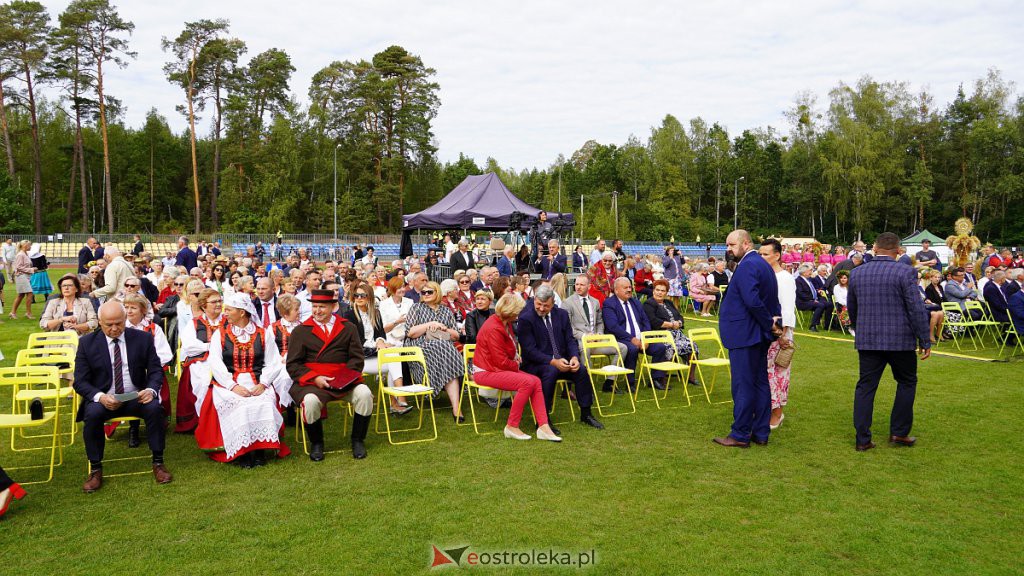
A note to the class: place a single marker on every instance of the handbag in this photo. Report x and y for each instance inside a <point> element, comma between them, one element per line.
<point>785,356</point>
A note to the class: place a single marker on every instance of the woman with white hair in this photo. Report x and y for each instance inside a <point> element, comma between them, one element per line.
<point>450,298</point>
<point>239,418</point>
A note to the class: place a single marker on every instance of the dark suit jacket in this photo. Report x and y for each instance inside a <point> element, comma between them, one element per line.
<point>997,301</point>
<point>1016,310</point>
<point>94,371</point>
<point>935,293</point>
<point>614,317</point>
<point>535,342</point>
<point>258,304</point>
<point>460,262</point>
<point>547,268</point>
<point>187,258</point>
<point>745,317</point>
<point>1010,288</point>
<point>84,257</point>
<point>804,294</point>
<point>658,314</point>
<point>138,249</point>
<point>579,261</point>
<point>474,322</point>
<point>504,266</point>
<point>886,307</point>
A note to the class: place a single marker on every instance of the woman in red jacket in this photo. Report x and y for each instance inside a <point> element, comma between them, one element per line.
<point>496,364</point>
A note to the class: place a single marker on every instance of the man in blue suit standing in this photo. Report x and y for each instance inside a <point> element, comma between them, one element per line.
<point>747,326</point>
<point>550,352</point>
<point>885,305</point>
<point>625,318</point>
<point>505,266</point>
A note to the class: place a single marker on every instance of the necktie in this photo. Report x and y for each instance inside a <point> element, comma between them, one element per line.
<point>266,314</point>
<point>586,309</point>
<point>813,291</point>
<point>551,336</point>
<point>118,369</point>
<point>629,319</point>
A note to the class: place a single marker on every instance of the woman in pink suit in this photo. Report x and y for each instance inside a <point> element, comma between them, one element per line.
<point>700,290</point>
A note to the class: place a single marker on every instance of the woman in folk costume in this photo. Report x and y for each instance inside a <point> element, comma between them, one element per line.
<point>602,276</point>
<point>136,308</point>
<point>287,320</point>
<point>239,418</point>
<point>195,335</point>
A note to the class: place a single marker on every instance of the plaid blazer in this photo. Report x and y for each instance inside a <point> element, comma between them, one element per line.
<point>886,307</point>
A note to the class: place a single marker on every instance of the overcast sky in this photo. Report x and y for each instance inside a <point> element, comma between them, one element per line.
<point>525,81</point>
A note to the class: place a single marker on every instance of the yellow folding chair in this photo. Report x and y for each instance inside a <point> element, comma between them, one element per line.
<point>670,366</point>
<point>711,360</point>
<point>469,385</point>
<point>958,328</point>
<point>417,392</point>
<point>60,358</point>
<point>984,325</point>
<point>40,379</point>
<point>609,369</point>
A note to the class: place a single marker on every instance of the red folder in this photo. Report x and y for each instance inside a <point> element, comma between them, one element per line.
<point>343,376</point>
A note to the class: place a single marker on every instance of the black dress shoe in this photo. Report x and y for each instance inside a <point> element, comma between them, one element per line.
<point>760,442</point>
<point>459,419</point>
<point>259,458</point>
<point>246,462</point>
<point>813,329</point>
<point>358,450</point>
<point>659,384</point>
<point>35,409</point>
<point>591,421</point>
<point>607,387</point>
<point>133,436</point>
<point>316,452</point>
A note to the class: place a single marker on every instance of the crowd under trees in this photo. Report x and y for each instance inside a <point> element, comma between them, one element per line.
<point>867,157</point>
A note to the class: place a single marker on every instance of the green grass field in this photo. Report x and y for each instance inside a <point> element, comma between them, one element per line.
<point>650,494</point>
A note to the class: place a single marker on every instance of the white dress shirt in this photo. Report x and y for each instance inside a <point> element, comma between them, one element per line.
<point>634,324</point>
<point>129,386</point>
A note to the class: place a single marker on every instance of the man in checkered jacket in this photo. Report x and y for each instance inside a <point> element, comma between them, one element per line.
<point>892,324</point>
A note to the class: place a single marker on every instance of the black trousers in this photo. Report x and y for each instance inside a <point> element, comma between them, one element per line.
<point>904,370</point>
<point>5,480</point>
<point>95,414</point>
<point>818,307</point>
<point>548,375</point>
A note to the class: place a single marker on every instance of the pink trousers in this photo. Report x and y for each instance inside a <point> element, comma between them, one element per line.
<point>528,389</point>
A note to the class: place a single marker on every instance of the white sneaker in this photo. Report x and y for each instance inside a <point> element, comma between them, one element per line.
<point>514,436</point>
<point>542,435</point>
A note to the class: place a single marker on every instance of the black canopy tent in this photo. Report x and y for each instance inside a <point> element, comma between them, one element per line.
<point>478,203</point>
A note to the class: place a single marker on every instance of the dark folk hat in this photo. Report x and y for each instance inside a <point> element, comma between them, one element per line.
<point>322,296</point>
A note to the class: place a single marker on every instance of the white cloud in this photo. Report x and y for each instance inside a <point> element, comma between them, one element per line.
<point>525,81</point>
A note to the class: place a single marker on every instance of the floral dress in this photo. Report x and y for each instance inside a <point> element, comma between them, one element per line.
<point>444,363</point>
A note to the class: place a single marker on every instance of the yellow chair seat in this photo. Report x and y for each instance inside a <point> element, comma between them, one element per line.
<point>667,366</point>
<point>29,395</point>
<point>24,420</point>
<point>410,390</point>
<point>714,362</point>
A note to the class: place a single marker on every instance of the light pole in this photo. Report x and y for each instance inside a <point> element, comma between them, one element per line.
<point>336,191</point>
<point>736,203</point>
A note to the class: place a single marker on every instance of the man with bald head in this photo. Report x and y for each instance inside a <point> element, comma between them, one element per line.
<point>746,323</point>
<point>118,373</point>
<point>265,303</point>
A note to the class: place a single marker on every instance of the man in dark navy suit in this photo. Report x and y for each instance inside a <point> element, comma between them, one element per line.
<point>996,298</point>
<point>550,352</point>
<point>885,305</point>
<point>625,318</point>
<point>186,257</point>
<point>747,326</point>
<point>109,364</point>
<point>552,263</point>
<point>808,296</point>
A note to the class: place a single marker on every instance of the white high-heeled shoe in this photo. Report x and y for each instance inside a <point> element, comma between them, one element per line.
<point>781,418</point>
<point>514,436</point>
<point>542,435</point>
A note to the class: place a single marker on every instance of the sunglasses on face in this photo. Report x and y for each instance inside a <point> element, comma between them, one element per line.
<point>179,284</point>
<point>427,292</point>
<point>127,285</point>
<point>463,281</point>
<point>360,295</point>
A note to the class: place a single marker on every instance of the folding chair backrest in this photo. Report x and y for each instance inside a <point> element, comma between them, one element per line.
<point>659,337</point>
<point>592,341</point>
<point>45,357</point>
<point>975,305</point>
<point>31,378</point>
<point>708,336</point>
<point>53,339</point>
<point>950,307</point>
<point>468,351</point>
<point>403,354</point>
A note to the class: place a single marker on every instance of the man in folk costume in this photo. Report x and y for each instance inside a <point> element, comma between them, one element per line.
<point>325,361</point>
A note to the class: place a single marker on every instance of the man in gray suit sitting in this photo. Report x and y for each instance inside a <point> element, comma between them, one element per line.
<point>960,290</point>
<point>585,318</point>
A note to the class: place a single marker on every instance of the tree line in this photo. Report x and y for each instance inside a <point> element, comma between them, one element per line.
<point>866,157</point>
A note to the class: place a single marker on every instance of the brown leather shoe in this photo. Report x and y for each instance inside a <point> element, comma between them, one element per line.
<point>903,440</point>
<point>731,442</point>
<point>865,447</point>
<point>760,442</point>
<point>94,483</point>
<point>161,474</point>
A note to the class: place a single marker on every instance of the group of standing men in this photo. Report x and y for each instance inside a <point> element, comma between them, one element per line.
<point>891,325</point>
